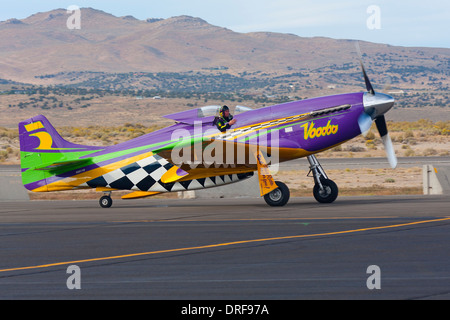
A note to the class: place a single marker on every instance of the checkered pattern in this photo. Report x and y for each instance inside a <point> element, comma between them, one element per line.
<point>145,175</point>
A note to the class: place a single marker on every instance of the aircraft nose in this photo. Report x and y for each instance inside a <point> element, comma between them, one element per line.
<point>377,104</point>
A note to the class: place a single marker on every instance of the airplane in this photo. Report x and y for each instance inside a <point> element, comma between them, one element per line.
<point>193,154</point>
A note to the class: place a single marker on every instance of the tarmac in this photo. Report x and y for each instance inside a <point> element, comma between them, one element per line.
<point>391,247</point>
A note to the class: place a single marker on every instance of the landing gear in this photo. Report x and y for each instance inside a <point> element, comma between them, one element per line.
<point>325,190</point>
<point>106,201</point>
<point>328,193</point>
<point>278,197</point>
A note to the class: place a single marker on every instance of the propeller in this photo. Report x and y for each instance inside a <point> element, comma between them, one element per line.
<point>366,78</point>
<point>375,106</point>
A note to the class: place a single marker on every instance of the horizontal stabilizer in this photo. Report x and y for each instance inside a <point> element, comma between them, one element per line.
<point>61,164</point>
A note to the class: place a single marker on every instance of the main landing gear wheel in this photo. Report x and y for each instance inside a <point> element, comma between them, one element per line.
<point>106,202</point>
<point>278,197</point>
<point>328,193</point>
<point>325,190</point>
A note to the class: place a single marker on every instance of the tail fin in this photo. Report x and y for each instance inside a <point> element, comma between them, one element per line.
<point>37,133</point>
<point>44,153</point>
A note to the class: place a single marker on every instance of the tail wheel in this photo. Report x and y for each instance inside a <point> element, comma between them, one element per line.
<point>328,194</point>
<point>278,197</point>
<point>105,202</point>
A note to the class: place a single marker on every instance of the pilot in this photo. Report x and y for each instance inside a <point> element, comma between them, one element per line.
<point>225,119</point>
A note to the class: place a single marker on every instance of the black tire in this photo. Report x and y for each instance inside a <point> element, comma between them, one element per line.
<point>105,202</point>
<point>330,193</point>
<point>278,197</point>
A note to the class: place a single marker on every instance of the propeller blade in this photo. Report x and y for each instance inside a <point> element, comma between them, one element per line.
<point>365,123</point>
<point>381,125</point>
<point>390,152</point>
<point>387,142</point>
<point>375,106</point>
<point>366,77</point>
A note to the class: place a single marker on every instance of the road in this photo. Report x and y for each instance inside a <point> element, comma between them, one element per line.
<point>227,250</point>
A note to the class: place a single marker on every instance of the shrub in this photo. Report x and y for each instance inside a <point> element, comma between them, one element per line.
<point>353,148</point>
<point>430,152</point>
<point>370,136</point>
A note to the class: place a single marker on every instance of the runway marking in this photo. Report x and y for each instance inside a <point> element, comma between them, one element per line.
<point>223,245</point>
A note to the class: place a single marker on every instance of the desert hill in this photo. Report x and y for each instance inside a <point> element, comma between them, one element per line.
<point>116,65</point>
<point>43,45</point>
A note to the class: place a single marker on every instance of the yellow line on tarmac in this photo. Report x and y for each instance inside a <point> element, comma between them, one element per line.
<point>222,245</point>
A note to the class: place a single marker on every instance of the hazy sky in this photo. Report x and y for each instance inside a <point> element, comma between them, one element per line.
<point>396,22</point>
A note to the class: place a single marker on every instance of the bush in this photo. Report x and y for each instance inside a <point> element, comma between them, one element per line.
<point>409,153</point>
<point>370,136</point>
<point>355,149</point>
<point>370,144</point>
<point>430,152</point>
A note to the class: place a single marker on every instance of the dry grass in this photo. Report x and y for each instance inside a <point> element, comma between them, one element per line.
<point>358,181</point>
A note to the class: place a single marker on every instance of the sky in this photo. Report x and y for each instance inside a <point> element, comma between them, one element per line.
<point>413,23</point>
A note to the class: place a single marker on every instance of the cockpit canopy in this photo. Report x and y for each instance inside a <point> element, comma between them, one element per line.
<point>203,114</point>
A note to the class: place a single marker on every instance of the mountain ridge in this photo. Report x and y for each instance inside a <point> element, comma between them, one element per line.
<point>41,44</point>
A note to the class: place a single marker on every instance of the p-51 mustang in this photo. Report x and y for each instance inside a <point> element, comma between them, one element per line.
<point>193,154</point>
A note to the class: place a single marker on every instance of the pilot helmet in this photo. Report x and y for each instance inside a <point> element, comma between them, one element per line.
<point>223,109</point>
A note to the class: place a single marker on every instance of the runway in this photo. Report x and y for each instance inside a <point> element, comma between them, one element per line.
<point>227,249</point>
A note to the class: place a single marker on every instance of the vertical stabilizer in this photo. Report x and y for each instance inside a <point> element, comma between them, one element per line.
<point>44,153</point>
